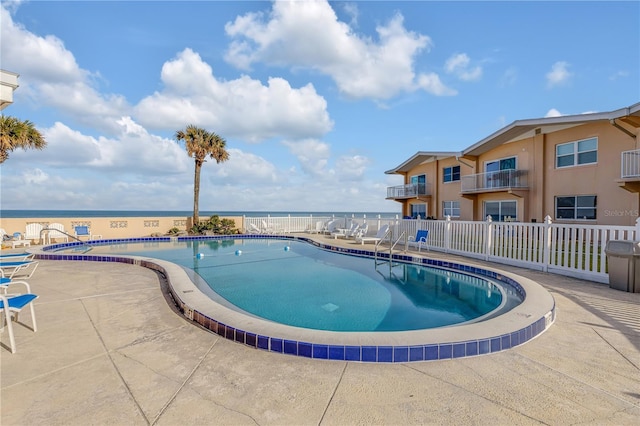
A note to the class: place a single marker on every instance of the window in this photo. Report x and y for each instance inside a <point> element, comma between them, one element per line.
<point>580,207</point>
<point>501,211</point>
<point>419,183</point>
<point>451,208</point>
<point>451,174</point>
<point>504,164</point>
<point>495,177</point>
<point>577,153</point>
<point>418,210</point>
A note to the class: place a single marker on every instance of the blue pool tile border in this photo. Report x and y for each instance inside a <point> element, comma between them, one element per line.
<point>382,354</point>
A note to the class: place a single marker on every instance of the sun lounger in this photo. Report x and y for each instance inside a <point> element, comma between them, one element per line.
<point>13,268</point>
<point>14,257</point>
<point>382,232</point>
<point>16,240</point>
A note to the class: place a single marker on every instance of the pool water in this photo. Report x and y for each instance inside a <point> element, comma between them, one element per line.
<point>298,284</point>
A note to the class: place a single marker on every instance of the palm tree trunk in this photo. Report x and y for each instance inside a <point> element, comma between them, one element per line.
<point>196,192</point>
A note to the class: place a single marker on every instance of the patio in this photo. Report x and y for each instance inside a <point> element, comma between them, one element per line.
<point>110,348</point>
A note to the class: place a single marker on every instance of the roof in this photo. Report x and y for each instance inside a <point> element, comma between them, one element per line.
<point>421,157</point>
<point>521,129</point>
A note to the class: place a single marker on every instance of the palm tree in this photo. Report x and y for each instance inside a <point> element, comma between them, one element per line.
<point>18,134</point>
<point>199,144</point>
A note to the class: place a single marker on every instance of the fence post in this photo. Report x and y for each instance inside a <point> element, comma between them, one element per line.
<point>637,234</point>
<point>488,237</point>
<point>447,234</point>
<point>546,259</point>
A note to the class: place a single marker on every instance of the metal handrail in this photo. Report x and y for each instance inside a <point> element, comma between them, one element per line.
<point>87,246</point>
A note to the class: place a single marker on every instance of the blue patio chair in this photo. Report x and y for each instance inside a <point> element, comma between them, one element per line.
<point>420,239</point>
<point>11,306</point>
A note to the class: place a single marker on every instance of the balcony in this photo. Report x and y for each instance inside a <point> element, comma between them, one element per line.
<point>412,190</point>
<point>630,170</point>
<point>498,181</point>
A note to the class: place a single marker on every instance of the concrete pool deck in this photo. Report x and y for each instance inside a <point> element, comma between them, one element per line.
<point>110,349</point>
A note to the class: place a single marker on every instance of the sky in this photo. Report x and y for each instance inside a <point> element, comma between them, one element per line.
<point>315,99</point>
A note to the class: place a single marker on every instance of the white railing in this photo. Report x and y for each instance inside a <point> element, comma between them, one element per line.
<point>630,164</point>
<point>576,250</point>
<point>408,191</point>
<point>288,224</point>
<point>573,250</point>
<point>501,179</point>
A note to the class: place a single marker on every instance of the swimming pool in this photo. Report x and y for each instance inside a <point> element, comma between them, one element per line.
<point>297,284</point>
<point>494,333</point>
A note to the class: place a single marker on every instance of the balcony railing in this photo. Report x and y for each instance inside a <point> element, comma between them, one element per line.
<point>494,181</point>
<point>630,164</point>
<point>411,190</point>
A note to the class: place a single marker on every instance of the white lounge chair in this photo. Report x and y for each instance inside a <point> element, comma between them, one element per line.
<point>253,229</point>
<point>319,226</point>
<point>56,232</point>
<point>16,240</point>
<point>12,304</point>
<point>382,232</point>
<point>347,233</point>
<point>420,239</point>
<point>33,231</point>
<point>331,227</point>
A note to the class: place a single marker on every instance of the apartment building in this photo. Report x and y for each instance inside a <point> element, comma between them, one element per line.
<point>574,168</point>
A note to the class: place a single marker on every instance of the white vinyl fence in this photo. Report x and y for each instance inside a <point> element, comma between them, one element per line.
<point>576,250</point>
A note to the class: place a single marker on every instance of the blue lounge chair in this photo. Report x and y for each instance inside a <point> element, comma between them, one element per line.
<point>10,269</point>
<point>13,257</point>
<point>420,239</point>
<point>10,306</point>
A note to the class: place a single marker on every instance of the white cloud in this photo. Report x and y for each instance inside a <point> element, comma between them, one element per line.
<point>509,77</point>
<point>133,151</point>
<point>553,113</point>
<point>312,154</point>
<point>308,34</point>
<point>51,77</point>
<point>352,167</point>
<point>559,74</point>
<point>193,95</point>
<point>459,65</point>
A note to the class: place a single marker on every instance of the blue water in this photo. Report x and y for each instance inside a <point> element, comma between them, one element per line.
<point>153,213</point>
<point>298,284</point>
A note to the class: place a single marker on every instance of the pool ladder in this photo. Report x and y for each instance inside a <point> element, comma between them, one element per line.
<point>86,246</point>
<point>388,260</point>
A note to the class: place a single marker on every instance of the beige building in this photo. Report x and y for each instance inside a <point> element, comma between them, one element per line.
<point>576,169</point>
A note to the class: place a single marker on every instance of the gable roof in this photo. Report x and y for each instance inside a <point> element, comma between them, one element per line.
<point>422,157</point>
<point>521,129</point>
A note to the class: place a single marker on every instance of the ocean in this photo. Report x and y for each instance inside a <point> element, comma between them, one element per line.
<point>19,214</point>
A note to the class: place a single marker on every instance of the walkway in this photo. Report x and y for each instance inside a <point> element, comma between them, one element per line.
<point>110,349</point>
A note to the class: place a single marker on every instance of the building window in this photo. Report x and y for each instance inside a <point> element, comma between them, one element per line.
<point>419,185</point>
<point>577,153</point>
<point>451,174</point>
<point>451,208</point>
<point>501,211</point>
<point>418,210</point>
<point>580,207</point>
